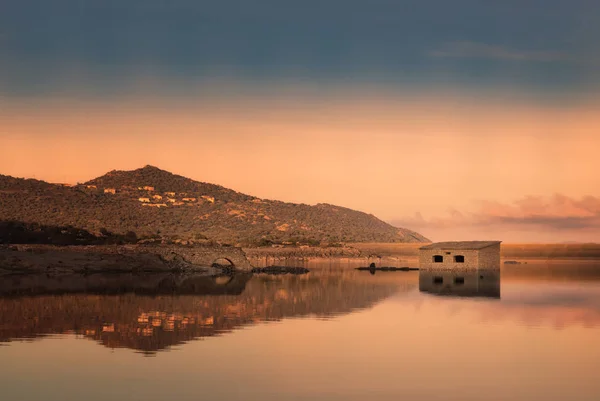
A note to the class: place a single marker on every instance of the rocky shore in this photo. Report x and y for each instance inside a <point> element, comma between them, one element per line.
<point>266,256</point>
<point>86,259</point>
<point>32,259</point>
<point>295,252</point>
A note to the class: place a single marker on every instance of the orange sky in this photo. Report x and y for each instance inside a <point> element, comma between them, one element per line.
<point>385,154</point>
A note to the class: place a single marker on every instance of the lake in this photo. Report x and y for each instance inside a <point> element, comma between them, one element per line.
<point>531,332</point>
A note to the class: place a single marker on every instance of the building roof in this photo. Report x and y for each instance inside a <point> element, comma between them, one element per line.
<point>461,245</point>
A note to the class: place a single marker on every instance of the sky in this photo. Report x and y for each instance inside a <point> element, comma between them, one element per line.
<point>462,119</point>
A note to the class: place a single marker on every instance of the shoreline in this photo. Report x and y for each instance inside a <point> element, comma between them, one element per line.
<point>408,252</point>
<point>86,259</point>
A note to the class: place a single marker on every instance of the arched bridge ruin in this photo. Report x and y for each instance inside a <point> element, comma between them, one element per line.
<point>119,258</point>
<point>204,256</point>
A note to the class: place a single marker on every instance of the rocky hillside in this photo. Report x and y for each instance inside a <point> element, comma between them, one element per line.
<point>151,202</point>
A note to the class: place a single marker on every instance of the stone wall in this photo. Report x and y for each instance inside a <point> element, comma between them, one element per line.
<point>116,258</point>
<point>426,259</point>
<point>200,256</point>
<point>487,258</point>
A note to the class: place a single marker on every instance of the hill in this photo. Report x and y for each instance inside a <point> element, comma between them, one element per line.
<point>151,202</point>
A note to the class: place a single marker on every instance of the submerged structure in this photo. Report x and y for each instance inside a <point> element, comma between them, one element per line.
<point>483,283</point>
<point>460,268</point>
<point>460,255</point>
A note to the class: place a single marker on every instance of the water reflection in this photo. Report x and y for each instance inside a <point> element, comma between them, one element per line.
<point>143,284</point>
<point>153,312</point>
<point>483,283</point>
<point>403,343</point>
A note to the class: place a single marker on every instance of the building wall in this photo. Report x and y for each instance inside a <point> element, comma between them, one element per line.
<point>489,258</point>
<point>426,259</point>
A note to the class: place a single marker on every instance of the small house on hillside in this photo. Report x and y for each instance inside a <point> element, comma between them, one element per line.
<point>460,255</point>
<point>159,205</point>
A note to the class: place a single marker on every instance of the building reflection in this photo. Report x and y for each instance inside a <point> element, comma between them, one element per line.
<point>474,283</point>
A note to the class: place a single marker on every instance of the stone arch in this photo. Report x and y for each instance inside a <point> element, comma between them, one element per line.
<point>223,262</point>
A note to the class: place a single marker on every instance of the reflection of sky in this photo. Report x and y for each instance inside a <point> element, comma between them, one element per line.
<point>540,44</point>
<point>535,303</point>
<point>537,343</point>
<point>567,295</point>
<point>409,347</point>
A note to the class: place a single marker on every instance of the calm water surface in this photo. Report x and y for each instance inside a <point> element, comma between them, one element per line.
<point>530,333</point>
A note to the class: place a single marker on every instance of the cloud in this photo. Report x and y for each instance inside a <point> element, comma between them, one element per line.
<point>468,49</point>
<point>555,213</point>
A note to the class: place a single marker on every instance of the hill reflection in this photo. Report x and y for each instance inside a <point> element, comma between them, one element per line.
<point>155,312</point>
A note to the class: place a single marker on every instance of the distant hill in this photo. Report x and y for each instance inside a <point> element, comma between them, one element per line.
<point>151,202</point>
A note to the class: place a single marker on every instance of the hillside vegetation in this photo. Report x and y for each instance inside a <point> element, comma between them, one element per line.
<point>152,203</point>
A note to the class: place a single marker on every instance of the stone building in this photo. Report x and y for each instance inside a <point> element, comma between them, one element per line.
<point>460,255</point>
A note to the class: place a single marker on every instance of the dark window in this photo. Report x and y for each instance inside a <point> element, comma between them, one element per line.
<point>459,259</point>
<point>438,258</point>
<point>438,280</point>
<point>459,280</point>
<point>448,253</point>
